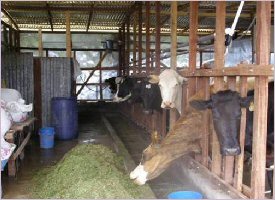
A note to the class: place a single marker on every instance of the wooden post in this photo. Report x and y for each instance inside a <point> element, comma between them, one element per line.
<point>147,4</point>
<point>263,14</point>
<point>100,79</point>
<point>219,63</point>
<point>10,37</point>
<point>68,35</point>
<point>6,43</point>
<point>123,49</point>
<point>128,47</point>
<point>174,115</point>
<point>157,42</point>
<point>194,8</point>
<point>40,42</point>
<point>206,124</point>
<point>238,175</point>
<point>140,37</point>
<point>135,43</point>
<point>17,41</point>
<point>120,53</point>
<point>174,17</point>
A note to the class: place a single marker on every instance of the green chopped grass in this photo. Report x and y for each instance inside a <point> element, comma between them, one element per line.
<point>87,171</point>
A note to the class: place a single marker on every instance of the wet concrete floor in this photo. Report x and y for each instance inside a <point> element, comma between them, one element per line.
<point>91,130</point>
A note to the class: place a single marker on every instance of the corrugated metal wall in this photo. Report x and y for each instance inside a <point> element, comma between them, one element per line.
<point>56,81</point>
<point>17,72</point>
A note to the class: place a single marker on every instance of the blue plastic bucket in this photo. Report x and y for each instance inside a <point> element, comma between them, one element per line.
<point>46,137</point>
<point>185,195</point>
<point>65,117</point>
<point>3,164</point>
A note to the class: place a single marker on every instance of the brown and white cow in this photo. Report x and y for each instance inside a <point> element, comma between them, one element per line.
<point>186,133</point>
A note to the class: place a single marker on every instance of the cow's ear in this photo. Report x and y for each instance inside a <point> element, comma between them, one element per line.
<point>201,104</point>
<point>153,79</point>
<point>245,101</point>
<point>181,79</point>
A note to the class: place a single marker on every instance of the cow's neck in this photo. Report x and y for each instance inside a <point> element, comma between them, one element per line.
<point>178,99</point>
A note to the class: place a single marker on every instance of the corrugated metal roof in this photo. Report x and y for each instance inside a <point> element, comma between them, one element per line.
<point>104,15</point>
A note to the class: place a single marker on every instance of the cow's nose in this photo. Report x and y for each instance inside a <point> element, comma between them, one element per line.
<point>231,151</point>
<point>167,103</point>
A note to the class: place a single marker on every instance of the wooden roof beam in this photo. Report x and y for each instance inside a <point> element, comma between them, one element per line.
<point>62,9</point>
<point>90,18</point>
<point>10,18</point>
<point>49,16</point>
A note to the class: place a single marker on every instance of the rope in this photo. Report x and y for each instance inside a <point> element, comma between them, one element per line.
<point>232,30</point>
<point>252,23</point>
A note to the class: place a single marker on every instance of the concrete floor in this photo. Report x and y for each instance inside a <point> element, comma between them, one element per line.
<point>92,129</point>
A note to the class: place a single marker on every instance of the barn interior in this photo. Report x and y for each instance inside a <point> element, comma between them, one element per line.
<point>54,52</point>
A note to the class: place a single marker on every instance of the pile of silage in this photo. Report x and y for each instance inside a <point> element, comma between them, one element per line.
<point>87,171</point>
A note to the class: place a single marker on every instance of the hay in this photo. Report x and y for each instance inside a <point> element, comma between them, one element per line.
<point>87,171</point>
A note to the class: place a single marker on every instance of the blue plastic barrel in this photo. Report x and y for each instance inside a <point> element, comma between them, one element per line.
<point>46,137</point>
<point>65,117</point>
<point>185,195</point>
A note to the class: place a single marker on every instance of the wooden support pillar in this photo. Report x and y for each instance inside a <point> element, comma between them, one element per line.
<point>5,37</point>
<point>40,42</point>
<point>174,115</point>
<point>128,47</point>
<point>120,53</point>
<point>147,4</point>
<point>17,41</point>
<point>100,79</point>
<point>238,175</point>
<point>263,16</point>
<point>157,42</point>
<point>123,49</point>
<point>206,124</point>
<point>194,9</point>
<point>68,35</point>
<point>174,17</point>
<point>10,37</point>
<point>219,63</point>
<point>135,43</point>
<point>139,37</point>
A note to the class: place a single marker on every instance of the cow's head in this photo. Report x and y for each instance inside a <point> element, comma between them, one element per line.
<point>226,112</point>
<point>118,82</point>
<point>151,96</point>
<point>170,83</point>
<point>112,84</point>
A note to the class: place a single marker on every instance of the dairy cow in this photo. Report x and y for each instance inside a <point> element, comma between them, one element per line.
<point>186,133</point>
<point>140,90</point>
<point>150,96</point>
<point>112,84</point>
<point>170,83</point>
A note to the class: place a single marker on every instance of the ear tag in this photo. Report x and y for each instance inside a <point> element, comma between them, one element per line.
<point>148,86</point>
<point>251,106</point>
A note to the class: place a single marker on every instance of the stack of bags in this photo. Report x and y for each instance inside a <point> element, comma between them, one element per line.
<point>13,109</point>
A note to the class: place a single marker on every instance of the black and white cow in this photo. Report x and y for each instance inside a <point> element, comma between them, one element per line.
<point>140,90</point>
<point>112,84</point>
<point>150,96</point>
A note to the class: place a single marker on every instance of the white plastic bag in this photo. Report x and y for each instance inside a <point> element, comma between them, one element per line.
<point>18,110</point>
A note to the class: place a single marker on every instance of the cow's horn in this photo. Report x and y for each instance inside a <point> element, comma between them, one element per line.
<point>153,79</point>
